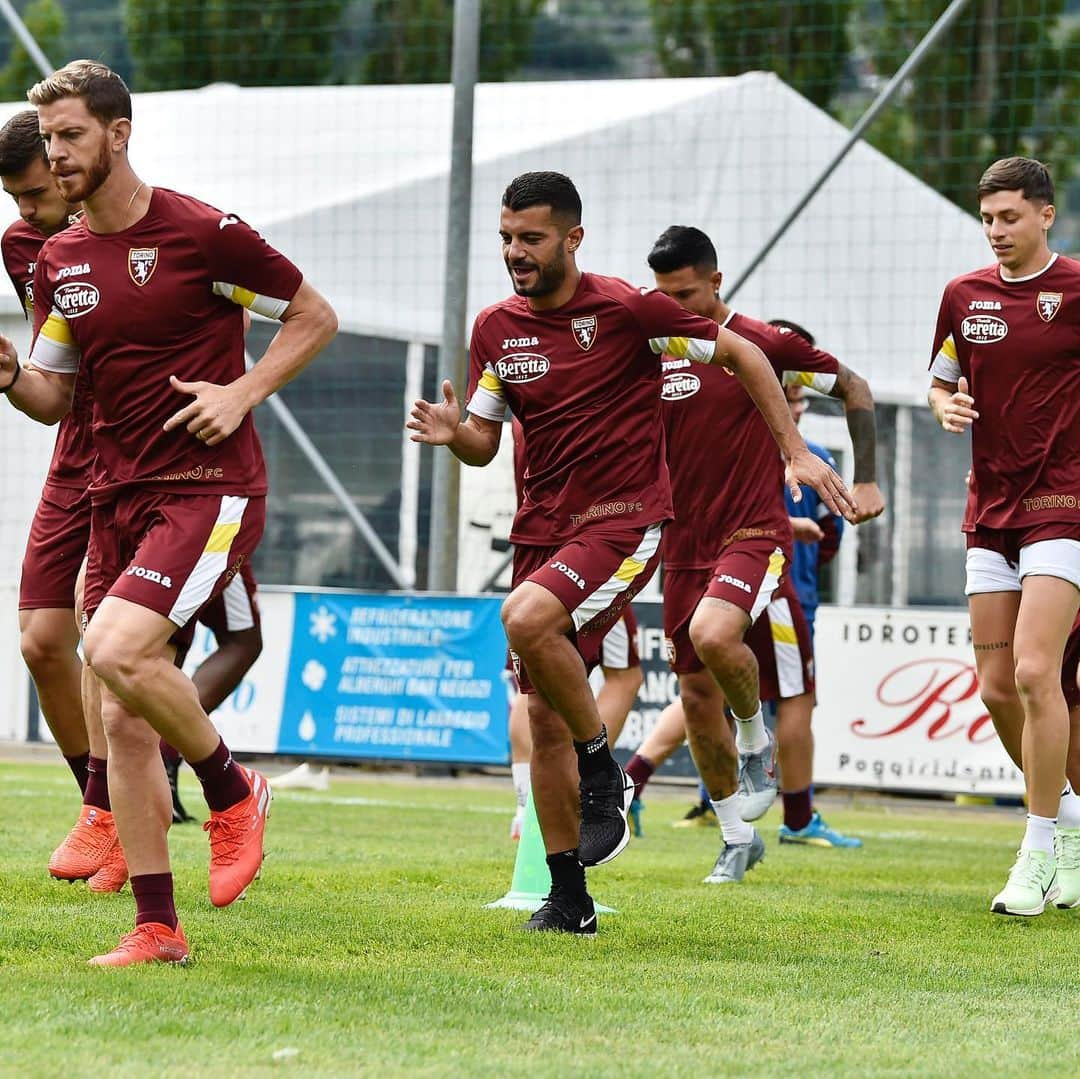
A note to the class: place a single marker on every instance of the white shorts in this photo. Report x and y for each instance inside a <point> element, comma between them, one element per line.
<point>988,571</point>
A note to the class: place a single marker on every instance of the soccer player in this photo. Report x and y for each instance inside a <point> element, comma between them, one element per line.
<point>146,293</point>
<point>735,628</point>
<point>1004,366</point>
<point>49,635</point>
<point>575,357</point>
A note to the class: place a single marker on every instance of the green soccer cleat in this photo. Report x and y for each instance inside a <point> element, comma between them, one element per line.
<point>1067,854</point>
<point>817,834</point>
<point>1031,885</point>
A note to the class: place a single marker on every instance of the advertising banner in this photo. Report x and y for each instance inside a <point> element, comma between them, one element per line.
<point>898,705</point>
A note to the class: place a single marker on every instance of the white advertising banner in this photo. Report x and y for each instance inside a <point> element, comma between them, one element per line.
<point>898,705</point>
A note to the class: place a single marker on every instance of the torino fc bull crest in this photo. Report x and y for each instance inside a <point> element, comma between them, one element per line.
<point>584,331</point>
<point>1048,304</point>
<point>142,262</point>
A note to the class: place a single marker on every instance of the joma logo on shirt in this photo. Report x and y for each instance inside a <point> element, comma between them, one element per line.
<point>150,575</point>
<point>984,305</point>
<point>522,367</point>
<point>984,329</point>
<point>679,387</point>
<point>520,342</point>
<point>71,271</point>
<point>76,299</point>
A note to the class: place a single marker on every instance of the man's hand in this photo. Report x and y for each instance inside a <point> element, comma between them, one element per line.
<point>869,499</point>
<point>436,424</point>
<point>806,530</point>
<point>9,362</point>
<point>806,467</point>
<point>958,413</point>
<point>215,413</point>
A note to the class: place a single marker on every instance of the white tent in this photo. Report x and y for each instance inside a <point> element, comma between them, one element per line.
<point>352,183</point>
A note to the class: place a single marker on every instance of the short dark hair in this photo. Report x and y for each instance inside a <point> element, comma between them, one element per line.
<point>680,246</point>
<point>104,93</point>
<point>21,143</point>
<point>794,327</point>
<point>1023,174</point>
<point>544,189</point>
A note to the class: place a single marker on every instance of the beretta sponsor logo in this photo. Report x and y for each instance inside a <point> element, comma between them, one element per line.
<point>678,385</point>
<point>522,367</point>
<point>76,298</point>
<point>984,329</point>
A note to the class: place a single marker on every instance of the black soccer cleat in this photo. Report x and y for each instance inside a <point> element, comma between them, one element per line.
<point>564,912</point>
<point>179,814</point>
<point>605,801</point>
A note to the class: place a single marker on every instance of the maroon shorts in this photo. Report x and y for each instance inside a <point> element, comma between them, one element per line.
<point>780,640</point>
<point>1008,542</point>
<point>747,574</point>
<point>235,608</point>
<point>56,549</point>
<point>170,553</point>
<point>594,576</point>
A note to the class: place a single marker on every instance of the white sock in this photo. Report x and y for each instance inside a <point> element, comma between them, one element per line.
<point>750,734</point>
<point>1039,834</point>
<point>520,775</point>
<point>1069,808</point>
<point>732,827</point>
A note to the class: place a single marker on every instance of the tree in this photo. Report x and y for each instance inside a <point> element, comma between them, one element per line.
<point>411,40</point>
<point>805,42</point>
<point>45,21</point>
<point>183,43</point>
<point>1006,82</point>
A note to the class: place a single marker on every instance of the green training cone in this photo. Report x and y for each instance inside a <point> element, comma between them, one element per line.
<point>532,880</point>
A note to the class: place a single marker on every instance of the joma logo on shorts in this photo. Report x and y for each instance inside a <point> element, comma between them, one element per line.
<point>573,574</point>
<point>726,578</point>
<point>150,575</point>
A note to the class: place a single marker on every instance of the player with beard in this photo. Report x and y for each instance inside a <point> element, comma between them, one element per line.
<point>150,286</point>
<point>736,632</point>
<point>576,358</point>
<point>1004,367</point>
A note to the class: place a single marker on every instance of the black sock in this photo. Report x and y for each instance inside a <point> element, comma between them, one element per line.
<point>567,872</point>
<point>594,755</point>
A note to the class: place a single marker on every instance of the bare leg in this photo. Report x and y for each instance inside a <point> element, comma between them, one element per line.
<point>993,627</point>
<point>666,737</point>
<point>537,625</point>
<point>795,741</point>
<point>616,697</point>
<point>49,640</point>
<point>717,631</point>
<point>554,777</point>
<point>90,687</point>
<point>222,671</point>
<point>520,737</point>
<point>709,734</point>
<point>1047,610</point>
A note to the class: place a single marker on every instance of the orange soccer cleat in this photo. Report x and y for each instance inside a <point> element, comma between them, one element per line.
<point>113,875</point>
<point>87,846</point>
<point>150,942</point>
<point>236,842</point>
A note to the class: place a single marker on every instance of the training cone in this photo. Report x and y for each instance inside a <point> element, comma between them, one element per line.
<point>531,881</point>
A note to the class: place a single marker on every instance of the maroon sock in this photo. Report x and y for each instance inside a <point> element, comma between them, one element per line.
<point>168,754</point>
<point>798,809</point>
<point>640,770</point>
<point>223,781</point>
<point>154,899</point>
<point>97,784</point>
<point>78,769</point>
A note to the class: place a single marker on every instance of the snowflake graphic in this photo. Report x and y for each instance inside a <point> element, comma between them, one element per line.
<point>323,625</point>
<point>313,675</point>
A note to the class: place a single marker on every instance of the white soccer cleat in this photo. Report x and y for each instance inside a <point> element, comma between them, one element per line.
<point>304,777</point>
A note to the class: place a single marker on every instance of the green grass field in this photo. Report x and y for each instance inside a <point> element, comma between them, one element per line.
<point>365,950</point>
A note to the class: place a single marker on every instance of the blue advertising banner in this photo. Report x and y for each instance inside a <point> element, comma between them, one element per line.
<point>396,677</point>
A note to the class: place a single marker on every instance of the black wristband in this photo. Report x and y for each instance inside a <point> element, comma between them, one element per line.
<point>18,371</point>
